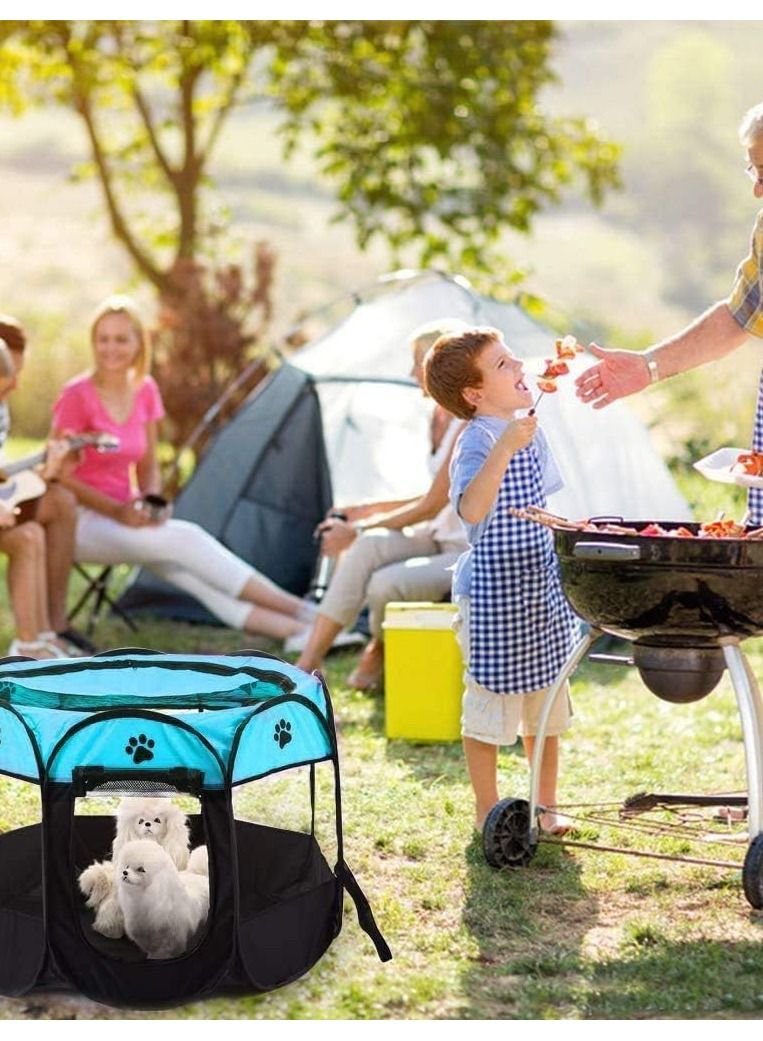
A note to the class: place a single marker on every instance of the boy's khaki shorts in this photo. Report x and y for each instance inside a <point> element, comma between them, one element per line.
<point>497,719</point>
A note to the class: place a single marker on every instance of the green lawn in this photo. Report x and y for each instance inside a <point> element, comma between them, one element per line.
<point>577,934</point>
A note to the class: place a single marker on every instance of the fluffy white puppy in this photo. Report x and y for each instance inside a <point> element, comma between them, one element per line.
<point>198,862</point>
<point>158,820</point>
<point>162,907</point>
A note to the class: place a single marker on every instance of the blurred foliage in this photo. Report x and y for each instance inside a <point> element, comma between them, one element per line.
<point>690,114</point>
<point>430,132</point>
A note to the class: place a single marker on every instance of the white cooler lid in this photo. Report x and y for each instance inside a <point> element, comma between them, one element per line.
<point>417,615</point>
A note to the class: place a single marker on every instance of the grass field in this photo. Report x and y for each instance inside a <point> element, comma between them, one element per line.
<point>577,934</point>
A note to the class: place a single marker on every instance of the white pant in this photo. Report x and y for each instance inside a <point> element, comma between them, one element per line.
<point>383,565</point>
<point>178,551</point>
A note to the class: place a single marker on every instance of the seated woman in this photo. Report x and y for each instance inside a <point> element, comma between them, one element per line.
<point>38,536</point>
<point>397,550</point>
<point>118,396</point>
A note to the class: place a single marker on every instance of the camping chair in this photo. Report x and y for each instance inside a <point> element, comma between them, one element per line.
<point>97,591</point>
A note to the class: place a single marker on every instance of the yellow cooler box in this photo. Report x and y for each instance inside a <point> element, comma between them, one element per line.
<point>422,672</point>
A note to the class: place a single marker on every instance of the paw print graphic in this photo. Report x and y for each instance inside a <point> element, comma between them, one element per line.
<point>139,748</point>
<point>282,733</point>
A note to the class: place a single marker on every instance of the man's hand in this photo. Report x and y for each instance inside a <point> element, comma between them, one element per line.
<point>336,535</point>
<point>519,433</point>
<point>618,374</point>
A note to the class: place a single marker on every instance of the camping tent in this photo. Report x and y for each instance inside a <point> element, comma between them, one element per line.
<point>343,406</point>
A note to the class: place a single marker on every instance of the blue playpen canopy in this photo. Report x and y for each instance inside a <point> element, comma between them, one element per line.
<point>231,719</point>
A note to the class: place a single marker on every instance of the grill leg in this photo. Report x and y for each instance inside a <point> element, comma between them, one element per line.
<point>576,656</point>
<point>751,714</point>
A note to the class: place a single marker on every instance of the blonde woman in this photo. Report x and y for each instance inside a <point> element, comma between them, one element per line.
<point>119,396</point>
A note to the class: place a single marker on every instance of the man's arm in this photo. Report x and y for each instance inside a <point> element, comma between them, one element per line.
<point>620,373</point>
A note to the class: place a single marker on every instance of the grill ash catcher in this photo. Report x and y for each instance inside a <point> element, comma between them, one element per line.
<point>686,604</point>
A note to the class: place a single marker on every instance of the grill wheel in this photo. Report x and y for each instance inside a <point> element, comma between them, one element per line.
<point>752,872</point>
<point>506,834</point>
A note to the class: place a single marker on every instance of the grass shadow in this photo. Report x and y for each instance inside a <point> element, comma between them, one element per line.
<point>529,925</point>
<point>655,977</point>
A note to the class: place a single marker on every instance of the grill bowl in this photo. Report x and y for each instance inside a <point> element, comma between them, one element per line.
<point>673,597</point>
<point>647,587</point>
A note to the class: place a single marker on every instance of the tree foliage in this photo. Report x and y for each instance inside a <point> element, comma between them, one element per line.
<point>432,135</point>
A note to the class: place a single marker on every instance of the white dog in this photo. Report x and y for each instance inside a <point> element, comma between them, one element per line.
<point>162,907</point>
<point>156,819</point>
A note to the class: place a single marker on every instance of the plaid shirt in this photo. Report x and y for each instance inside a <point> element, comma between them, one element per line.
<point>746,300</point>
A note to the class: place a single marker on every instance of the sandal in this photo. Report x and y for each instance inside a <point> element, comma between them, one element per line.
<point>559,825</point>
<point>37,649</point>
<point>366,681</point>
<point>369,672</point>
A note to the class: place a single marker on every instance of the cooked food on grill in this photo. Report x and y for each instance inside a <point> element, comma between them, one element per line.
<point>749,463</point>
<point>717,529</point>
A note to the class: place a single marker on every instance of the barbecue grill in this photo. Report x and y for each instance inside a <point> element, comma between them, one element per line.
<point>686,604</point>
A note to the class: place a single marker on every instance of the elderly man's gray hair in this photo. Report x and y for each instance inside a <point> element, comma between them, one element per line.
<point>751,127</point>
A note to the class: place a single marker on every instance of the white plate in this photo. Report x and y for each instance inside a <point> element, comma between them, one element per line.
<point>717,467</point>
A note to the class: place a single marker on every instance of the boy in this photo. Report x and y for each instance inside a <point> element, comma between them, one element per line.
<point>517,627</point>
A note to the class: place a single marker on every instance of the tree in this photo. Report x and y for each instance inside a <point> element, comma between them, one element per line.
<point>431,134</point>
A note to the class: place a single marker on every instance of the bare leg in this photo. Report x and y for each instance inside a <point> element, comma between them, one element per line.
<point>57,512</point>
<point>321,637</point>
<point>549,771</point>
<point>272,623</point>
<point>261,591</point>
<point>25,547</point>
<point>482,764</point>
<point>367,673</point>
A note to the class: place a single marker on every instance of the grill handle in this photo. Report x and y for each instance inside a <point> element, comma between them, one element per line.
<point>605,551</point>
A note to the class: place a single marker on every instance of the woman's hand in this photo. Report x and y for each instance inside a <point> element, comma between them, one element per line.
<point>618,374</point>
<point>55,457</point>
<point>132,515</point>
<point>352,513</point>
<point>336,535</point>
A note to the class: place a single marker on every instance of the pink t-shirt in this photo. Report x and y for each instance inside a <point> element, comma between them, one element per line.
<point>79,410</point>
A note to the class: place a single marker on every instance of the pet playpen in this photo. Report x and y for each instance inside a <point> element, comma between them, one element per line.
<point>143,723</point>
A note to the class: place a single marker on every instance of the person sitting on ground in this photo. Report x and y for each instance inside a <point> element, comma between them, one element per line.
<point>397,550</point>
<point>517,628</point>
<point>37,538</point>
<point>120,397</point>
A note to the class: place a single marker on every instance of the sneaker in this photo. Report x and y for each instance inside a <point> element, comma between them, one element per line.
<point>347,639</point>
<point>296,644</point>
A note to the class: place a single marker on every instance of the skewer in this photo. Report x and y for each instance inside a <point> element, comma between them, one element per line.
<point>535,403</point>
<point>549,520</point>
